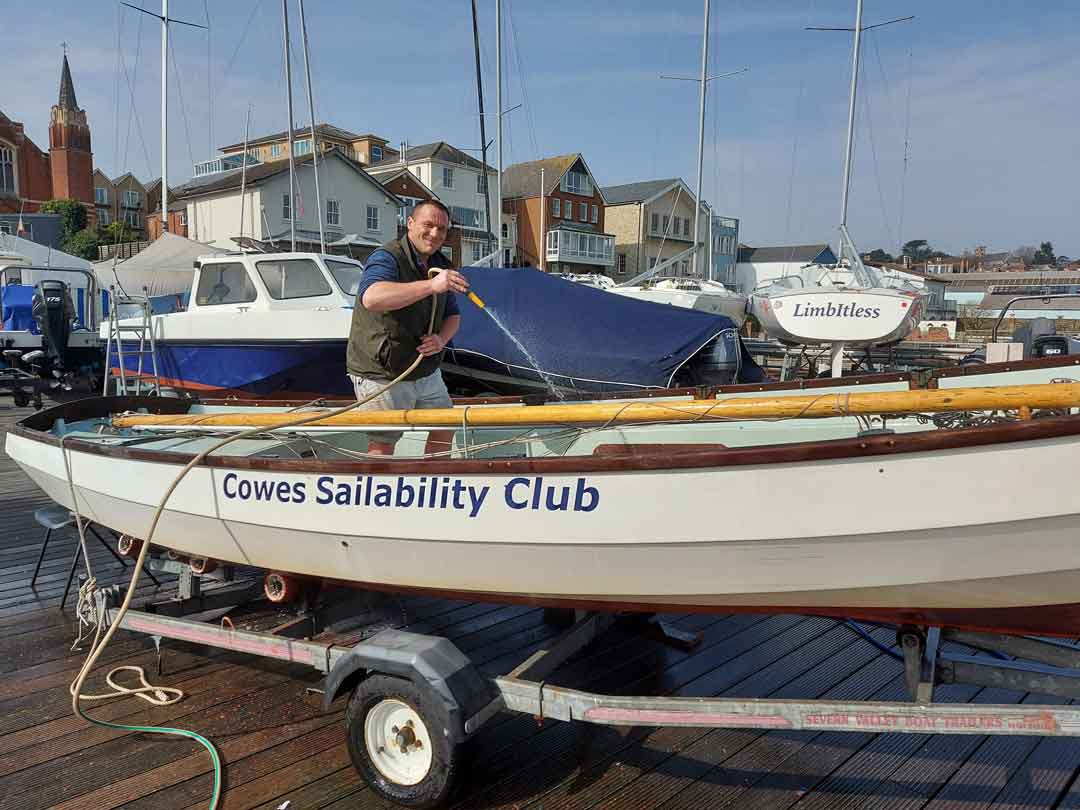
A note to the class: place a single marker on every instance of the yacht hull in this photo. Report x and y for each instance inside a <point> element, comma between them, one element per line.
<point>731,306</point>
<point>994,554</point>
<point>816,316</point>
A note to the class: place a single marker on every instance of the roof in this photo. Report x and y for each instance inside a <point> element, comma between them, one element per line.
<point>440,150</point>
<point>150,185</point>
<point>226,181</point>
<point>523,179</point>
<point>783,253</point>
<point>638,192</point>
<point>322,130</point>
<point>118,180</point>
<point>387,179</point>
<point>67,100</point>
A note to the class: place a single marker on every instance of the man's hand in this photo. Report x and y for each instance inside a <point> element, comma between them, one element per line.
<point>431,344</point>
<point>449,281</point>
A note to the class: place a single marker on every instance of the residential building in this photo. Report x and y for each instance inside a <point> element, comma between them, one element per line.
<point>358,213</point>
<point>725,250</point>
<point>653,221</point>
<point>177,221</point>
<point>457,179</point>
<point>367,149</point>
<point>559,211</point>
<point>29,176</point>
<point>757,265</point>
<point>407,187</point>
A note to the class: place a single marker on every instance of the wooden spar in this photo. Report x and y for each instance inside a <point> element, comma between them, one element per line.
<point>1013,397</point>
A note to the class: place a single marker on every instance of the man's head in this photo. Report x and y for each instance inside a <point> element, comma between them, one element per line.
<point>427,226</point>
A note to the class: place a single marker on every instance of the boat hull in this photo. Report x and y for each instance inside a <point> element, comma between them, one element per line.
<point>731,306</point>
<point>816,316</point>
<point>979,558</point>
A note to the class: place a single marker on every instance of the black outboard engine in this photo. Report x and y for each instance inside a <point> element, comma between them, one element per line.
<point>54,312</point>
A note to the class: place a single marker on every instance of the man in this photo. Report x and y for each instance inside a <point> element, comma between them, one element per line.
<point>391,317</point>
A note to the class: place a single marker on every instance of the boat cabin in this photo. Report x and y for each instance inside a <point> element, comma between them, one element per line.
<point>274,281</point>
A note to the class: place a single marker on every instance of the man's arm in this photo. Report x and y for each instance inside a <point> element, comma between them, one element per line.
<point>387,296</point>
<point>434,344</point>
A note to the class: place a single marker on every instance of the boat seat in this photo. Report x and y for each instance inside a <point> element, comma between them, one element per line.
<point>652,449</point>
<point>58,517</point>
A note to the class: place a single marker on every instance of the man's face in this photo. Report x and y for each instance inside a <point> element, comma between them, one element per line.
<point>427,229</point>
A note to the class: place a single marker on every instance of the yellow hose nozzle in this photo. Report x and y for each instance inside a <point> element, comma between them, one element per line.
<point>476,299</point>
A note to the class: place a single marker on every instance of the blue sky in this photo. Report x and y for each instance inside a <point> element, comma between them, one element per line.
<point>993,122</point>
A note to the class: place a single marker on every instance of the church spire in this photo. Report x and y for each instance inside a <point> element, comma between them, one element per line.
<point>67,89</point>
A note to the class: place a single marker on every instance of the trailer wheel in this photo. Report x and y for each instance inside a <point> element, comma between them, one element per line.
<point>397,744</point>
<point>280,588</point>
<point>129,546</point>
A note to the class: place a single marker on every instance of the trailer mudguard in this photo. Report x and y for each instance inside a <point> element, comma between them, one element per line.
<point>430,662</point>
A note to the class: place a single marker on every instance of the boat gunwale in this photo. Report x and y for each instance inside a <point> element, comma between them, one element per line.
<point>35,428</point>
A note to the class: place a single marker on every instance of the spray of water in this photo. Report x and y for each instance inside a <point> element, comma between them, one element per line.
<point>528,356</point>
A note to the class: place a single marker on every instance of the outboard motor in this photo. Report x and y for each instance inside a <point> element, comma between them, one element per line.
<point>54,312</point>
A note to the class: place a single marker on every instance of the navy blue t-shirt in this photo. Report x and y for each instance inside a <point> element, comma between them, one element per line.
<point>381,266</point>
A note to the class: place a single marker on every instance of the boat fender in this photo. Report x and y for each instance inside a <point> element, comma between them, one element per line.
<point>431,663</point>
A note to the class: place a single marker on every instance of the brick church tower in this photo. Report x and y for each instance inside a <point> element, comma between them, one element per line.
<point>70,158</point>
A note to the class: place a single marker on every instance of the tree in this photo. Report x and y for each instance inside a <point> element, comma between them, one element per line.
<point>117,231</point>
<point>1045,254</point>
<point>917,249</point>
<point>83,244</point>
<point>72,216</point>
<point>880,255</point>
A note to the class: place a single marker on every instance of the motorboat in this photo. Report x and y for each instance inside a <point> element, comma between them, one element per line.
<point>690,293</point>
<point>555,505</point>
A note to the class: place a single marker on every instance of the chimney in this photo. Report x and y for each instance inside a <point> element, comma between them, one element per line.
<point>404,148</point>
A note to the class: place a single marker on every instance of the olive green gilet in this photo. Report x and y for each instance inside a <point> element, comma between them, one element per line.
<point>383,344</point>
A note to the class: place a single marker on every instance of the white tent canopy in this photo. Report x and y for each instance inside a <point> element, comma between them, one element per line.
<point>15,247</point>
<point>165,267</point>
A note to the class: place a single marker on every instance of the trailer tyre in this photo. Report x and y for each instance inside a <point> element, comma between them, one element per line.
<point>396,742</point>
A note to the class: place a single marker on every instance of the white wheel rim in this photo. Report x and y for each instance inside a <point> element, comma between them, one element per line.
<point>388,724</point>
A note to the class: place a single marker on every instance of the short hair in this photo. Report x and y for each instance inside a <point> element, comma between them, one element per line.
<point>436,204</point>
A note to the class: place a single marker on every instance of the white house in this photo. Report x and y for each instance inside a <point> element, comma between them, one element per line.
<point>355,207</point>
<point>457,179</point>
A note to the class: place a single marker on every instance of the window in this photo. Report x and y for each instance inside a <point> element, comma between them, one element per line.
<point>448,252</point>
<point>576,183</point>
<point>133,218</point>
<point>101,195</point>
<point>481,183</point>
<point>677,225</point>
<point>132,199</point>
<point>376,153</point>
<point>286,209</point>
<point>667,222</point>
<point>506,230</point>
<point>568,209</point>
<point>583,212</point>
<point>7,169</point>
<point>275,150</point>
<point>224,284</point>
<point>103,216</point>
<point>595,214</point>
<point>621,264</point>
<point>556,210</point>
<point>333,212</point>
<point>468,217</point>
<point>652,262</point>
<point>686,227</point>
<point>302,147</point>
<point>405,211</point>
<point>477,251</point>
<point>506,257</point>
<point>183,218</point>
<point>447,177</point>
<point>346,274</point>
<point>372,218</point>
<point>293,278</point>
<point>655,226</point>
<point>685,264</point>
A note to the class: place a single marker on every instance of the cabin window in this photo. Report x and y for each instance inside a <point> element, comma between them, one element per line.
<point>346,274</point>
<point>292,278</point>
<point>224,284</point>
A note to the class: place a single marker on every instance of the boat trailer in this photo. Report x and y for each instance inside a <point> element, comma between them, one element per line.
<point>415,698</point>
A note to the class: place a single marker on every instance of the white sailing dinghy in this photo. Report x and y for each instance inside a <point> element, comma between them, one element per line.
<point>645,506</point>
<point>844,306</point>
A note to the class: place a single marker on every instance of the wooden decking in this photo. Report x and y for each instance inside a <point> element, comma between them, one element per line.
<point>280,746</point>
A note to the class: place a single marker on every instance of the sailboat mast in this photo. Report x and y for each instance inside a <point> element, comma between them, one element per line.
<point>164,116</point>
<point>499,119</point>
<point>701,140</point>
<point>483,133</point>
<point>314,140</point>
<point>289,129</point>
<point>243,175</point>
<point>851,117</point>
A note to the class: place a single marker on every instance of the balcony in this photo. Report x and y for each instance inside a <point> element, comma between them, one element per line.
<point>581,247</point>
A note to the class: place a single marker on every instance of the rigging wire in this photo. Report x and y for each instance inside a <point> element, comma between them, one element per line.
<point>116,84</point>
<point>183,112</point>
<point>907,152</point>
<point>133,114</point>
<point>869,121</point>
<point>520,59</point>
<point>243,35</point>
<point>209,80</point>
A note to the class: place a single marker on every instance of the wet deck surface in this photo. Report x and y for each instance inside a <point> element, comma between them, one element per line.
<point>279,745</point>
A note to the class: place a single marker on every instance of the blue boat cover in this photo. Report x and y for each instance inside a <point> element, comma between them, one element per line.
<point>15,308</point>
<point>587,338</point>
